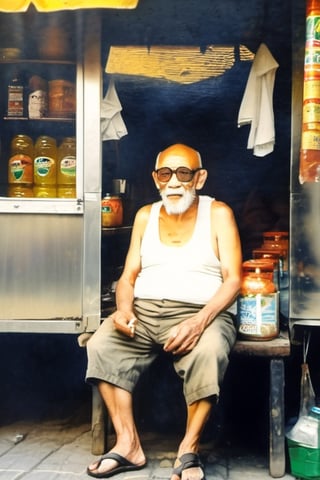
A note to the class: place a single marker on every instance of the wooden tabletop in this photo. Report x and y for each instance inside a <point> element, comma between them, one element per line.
<point>278,347</point>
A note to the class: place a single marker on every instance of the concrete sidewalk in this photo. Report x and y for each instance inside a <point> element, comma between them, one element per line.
<point>60,450</point>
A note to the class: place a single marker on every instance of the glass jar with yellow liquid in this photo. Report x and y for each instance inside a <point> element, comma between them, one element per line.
<point>66,172</point>
<point>20,166</point>
<point>45,167</point>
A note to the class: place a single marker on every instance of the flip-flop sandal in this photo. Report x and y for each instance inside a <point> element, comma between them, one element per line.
<point>188,460</point>
<point>124,466</point>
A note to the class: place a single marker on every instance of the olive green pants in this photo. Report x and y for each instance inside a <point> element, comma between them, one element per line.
<point>120,360</point>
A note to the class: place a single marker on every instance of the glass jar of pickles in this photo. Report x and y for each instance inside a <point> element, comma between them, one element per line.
<point>258,302</point>
<point>277,241</point>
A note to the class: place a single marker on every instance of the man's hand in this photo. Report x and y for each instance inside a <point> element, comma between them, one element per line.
<point>124,322</point>
<point>184,337</point>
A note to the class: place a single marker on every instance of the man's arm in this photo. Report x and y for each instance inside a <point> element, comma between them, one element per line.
<point>132,267</point>
<point>227,247</point>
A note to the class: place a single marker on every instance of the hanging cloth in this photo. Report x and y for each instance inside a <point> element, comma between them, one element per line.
<point>257,103</point>
<point>112,125</point>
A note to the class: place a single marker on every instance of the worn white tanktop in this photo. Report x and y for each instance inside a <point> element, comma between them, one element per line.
<point>188,273</point>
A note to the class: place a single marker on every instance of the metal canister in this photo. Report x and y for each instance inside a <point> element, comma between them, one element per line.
<point>111,211</point>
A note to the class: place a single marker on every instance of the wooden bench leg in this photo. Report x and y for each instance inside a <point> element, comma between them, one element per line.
<point>98,424</point>
<point>277,458</point>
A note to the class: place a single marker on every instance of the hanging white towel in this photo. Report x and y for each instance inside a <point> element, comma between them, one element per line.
<point>112,124</point>
<point>257,103</point>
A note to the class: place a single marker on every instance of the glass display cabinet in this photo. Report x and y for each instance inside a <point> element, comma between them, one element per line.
<point>50,228</point>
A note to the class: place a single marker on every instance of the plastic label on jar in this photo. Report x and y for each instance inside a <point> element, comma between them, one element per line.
<point>15,101</point>
<point>311,112</point>
<point>312,33</point>
<point>43,166</point>
<point>311,89</point>
<point>68,166</point>
<point>38,104</point>
<point>20,169</point>
<point>310,140</point>
<point>258,315</point>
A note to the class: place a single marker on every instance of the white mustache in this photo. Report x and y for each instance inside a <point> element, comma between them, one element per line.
<point>182,204</point>
<point>173,191</point>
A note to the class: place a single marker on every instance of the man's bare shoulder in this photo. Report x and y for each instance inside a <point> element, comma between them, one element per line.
<point>141,219</point>
<point>145,210</point>
<point>143,213</point>
<point>220,209</point>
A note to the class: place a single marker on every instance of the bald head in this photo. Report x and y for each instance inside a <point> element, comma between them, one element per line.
<point>189,155</point>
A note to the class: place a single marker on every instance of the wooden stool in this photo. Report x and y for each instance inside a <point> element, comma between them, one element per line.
<point>274,350</point>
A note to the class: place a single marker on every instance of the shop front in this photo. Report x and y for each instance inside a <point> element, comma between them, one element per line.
<point>123,80</point>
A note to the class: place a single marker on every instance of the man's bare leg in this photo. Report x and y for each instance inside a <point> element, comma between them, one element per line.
<point>198,414</point>
<point>119,405</point>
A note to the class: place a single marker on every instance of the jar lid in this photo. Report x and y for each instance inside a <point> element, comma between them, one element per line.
<point>267,251</point>
<point>261,263</point>
<point>111,195</point>
<point>276,235</point>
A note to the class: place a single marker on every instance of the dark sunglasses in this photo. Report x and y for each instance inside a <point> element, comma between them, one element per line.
<point>183,174</point>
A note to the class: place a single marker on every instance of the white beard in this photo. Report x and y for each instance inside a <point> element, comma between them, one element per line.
<point>180,206</point>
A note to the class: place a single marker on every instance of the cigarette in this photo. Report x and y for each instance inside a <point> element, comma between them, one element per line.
<point>131,324</point>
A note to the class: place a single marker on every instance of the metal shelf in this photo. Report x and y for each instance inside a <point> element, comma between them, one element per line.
<point>11,61</point>
<point>41,205</point>
<point>110,231</point>
<point>43,119</point>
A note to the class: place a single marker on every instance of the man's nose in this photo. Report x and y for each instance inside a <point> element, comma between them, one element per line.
<point>174,180</point>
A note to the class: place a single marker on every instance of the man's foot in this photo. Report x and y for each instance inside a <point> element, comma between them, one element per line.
<point>110,464</point>
<point>188,467</point>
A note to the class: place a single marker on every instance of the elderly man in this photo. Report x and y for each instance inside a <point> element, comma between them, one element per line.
<point>178,288</point>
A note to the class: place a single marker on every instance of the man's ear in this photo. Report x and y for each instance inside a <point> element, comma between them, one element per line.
<point>154,176</point>
<point>202,177</point>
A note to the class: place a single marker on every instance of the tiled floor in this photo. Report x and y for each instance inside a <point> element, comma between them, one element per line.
<point>60,450</point>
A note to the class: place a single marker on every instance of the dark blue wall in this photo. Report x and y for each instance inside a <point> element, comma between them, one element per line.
<point>204,114</point>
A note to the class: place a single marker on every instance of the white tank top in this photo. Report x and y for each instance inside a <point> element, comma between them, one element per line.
<point>188,273</point>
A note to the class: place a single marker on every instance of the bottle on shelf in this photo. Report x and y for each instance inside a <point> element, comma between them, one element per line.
<point>15,97</point>
<point>66,172</point>
<point>310,131</point>
<point>45,167</point>
<point>62,98</point>
<point>38,97</point>
<point>20,166</point>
